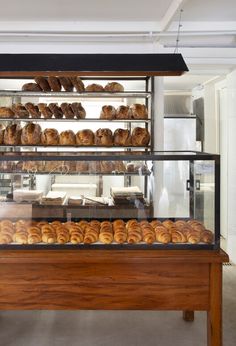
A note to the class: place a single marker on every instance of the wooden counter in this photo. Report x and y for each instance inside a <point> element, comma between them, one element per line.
<point>117,280</point>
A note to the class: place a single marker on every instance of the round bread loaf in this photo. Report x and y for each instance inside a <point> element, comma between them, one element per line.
<point>140,136</point>
<point>50,137</point>
<point>108,112</point>
<point>94,88</point>
<point>6,112</point>
<point>122,137</point>
<point>114,87</point>
<point>85,137</point>
<point>104,137</point>
<point>2,130</point>
<point>31,134</point>
<point>138,111</point>
<point>122,112</point>
<point>43,83</point>
<point>31,87</point>
<point>12,135</point>
<point>67,138</point>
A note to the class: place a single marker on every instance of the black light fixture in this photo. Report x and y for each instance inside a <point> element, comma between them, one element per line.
<point>92,64</point>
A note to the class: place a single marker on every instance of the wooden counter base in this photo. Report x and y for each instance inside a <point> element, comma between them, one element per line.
<point>117,280</point>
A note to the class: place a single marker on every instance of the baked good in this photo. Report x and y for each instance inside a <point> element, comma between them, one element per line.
<point>56,110</point>
<point>54,83</point>
<point>168,223</point>
<point>108,112</point>
<point>178,237</point>
<point>50,137</point>
<point>62,233</point>
<point>43,83</point>
<point>67,138</point>
<point>106,237</point>
<point>12,135</point>
<point>207,237</point>
<point>85,137</point>
<point>31,87</point>
<point>94,166</point>
<point>78,84</point>
<point>114,87</point>
<point>120,235</point>
<point>148,234</point>
<point>180,223</point>
<point>31,134</point>
<point>134,234</point>
<point>67,110</point>
<point>20,111</point>
<point>122,137</point>
<point>66,83</point>
<point>81,166</point>
<point>119,166</point>
<point>91,235</point>
<point>103,137</point>
<point>94,88</point>
<point>107,166</point>
<point>6,112</point>
<point>122,112</point>
<point>118,223</point>
<point>193,237</point>
<point>162,234</point>
<point>140,136</point>
<point>76,234</point>
<point>34,238</point>
<point>48,234</point>
<point>2,130</point>
<point>45,110</point>
<point>138,111</point>
<point>78,110</point>
<point>33,110</point>
<point>131,222</point>
<point>33,166</point>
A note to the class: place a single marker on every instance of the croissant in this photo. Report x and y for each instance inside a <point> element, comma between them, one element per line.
<point>34,238</point>
<point>106,237</point>
<point>40,224</point>
<point>193,237</point>
<point>91,235</point>
<point>34,230</point>
<point>168,223</point>
<point>148,235</point>
<point>49,237</point>
<point>5,239</point>
<point>106,223</point>
<point>96,224</point>
<point>134,234</point>
<point>7,230</point>
<point>76,237</point>
<point>162,235</point>
<point>63,236</point>
<point>56,224</point>
<point>180,223</point>
<point>120,235</point>
<point>178,237</point>
<point>20,237</point>
<point>83,224</point>
<point>131,222</point>
<point>118,223</point>
<point>155,223</point>
<point>6,223</point>
<point>207,237</point>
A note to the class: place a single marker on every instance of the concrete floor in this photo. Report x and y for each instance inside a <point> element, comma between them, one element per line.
<point>122,328</point>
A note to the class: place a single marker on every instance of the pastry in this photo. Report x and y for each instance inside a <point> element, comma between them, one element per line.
<point>118,223</point>
<point>131,222</point>
<point>91,235</point>
<point>85,137</point>
<point>2,130</point>
<point>31,134</point>
<point>56,110</point>
<point>43,83</point>
<point>207,237</point>
<point>63,235</point>
<point>120,235</point>
<point>6,112</point>
<point>107,166</point>
<point>96,224</point>
<point>193,237</point>
<point>21,237</point>
<point>168,223</point>
<point>66,83</point>
<point>104,137</point>
<point>78,110</point>
<point>76,234</point>
<point>20,111</point>
<point>108,112</point>
<point>12,135</point>
<point>54,83</point>
<point>78,84</point>
<point>94,88</point>
<point>114,87</point>
<point>50,137</point>
<point>34,238</point>
<point>122,112</point>
<point>148,235</point>
<point>134,235</point>
<point>119,167</point>
<point>180,223</point>
<point>140,136</point>
<point>33,110</point>
<point>162,234</point>
<point>138,111</point>
<point>106,237</point>
<point>67,138</point>
<point>44,109</point>
<point>67,110</point>
<point>81,166</point>
<point>31,87</point>
<point>94,166</point>
<point>122,137</point>
<point>178,237</point>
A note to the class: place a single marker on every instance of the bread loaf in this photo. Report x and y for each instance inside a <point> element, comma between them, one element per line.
<point>2,130</point>
<point>103,137</point>
<point>43,83</point>
<point>67,138</point>
<point>122,112</point>
<point>20,111</point>
<point>114,87</point>
<point>12,135</point>
<point>33,110</point>
<point>66,83</point>
<point>78,110</point>
<point>78,84</point>
<point>56,110</point>
<point>44,109</point>
<point>138,111</point>
<point>67,110</point>
<point>140,136</point>
<point>6,112</point>
<point>31,87</point>
<point>31,134</point>
<point>85,137</point>
<point>94,88</point>
<point>122,137</point>
<point>107,166</point>
<point>50,137</point>
<point>108,112</point>
<point>54,83</point>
